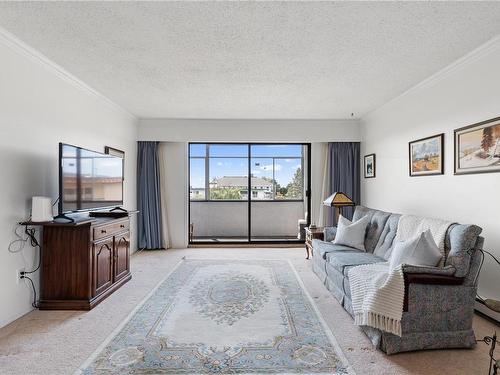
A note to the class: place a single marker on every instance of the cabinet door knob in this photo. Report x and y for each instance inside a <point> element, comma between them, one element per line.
<point>103,230</point>
<point>122,226</point>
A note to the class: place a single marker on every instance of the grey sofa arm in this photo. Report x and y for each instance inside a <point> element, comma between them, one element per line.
<point>435,276</point>
<point>445,271</point>
<point>329,233</point>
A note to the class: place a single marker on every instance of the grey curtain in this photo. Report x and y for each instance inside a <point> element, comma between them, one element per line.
<point>344,171</point>
<point>149,196</point>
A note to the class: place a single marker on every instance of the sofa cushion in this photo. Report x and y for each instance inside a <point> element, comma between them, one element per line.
<point>341,260</point>
<point>374,228</point>
<point>420,250</point>
<point>321,248</point>
<point>460,240</point>
<point>351,233</point>
<point>385,242</point>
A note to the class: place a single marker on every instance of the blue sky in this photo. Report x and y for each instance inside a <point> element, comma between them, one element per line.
<point>426,147</point>
<point>231,160</point>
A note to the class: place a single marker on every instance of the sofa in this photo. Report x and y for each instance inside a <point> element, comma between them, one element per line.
<point>438,302</point>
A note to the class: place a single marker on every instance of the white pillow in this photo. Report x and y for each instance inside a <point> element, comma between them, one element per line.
<point>351,234</point>
<point>420,250</point>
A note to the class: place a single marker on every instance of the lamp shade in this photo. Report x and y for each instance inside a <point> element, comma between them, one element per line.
<point>338,199</point>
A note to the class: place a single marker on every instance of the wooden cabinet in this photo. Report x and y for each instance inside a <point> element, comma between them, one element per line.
<point>83,263</point>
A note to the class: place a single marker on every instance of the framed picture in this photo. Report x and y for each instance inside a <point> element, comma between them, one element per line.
<point>427,156</point>
<point>119,153</point>
<point>477,147</point>
<point>370,166</point>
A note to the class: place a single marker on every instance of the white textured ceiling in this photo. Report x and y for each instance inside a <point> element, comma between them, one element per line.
<point>312,60</point>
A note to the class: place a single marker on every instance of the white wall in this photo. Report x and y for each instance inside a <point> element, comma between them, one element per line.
<point>40,107</point>
<point>466,93</point>
<point>176,133</point>
<point>180,130</point>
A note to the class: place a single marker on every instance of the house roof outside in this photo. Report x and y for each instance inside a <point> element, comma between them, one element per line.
<point>241,181</point>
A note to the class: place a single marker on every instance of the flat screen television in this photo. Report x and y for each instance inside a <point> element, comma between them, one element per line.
<point>88,180</point>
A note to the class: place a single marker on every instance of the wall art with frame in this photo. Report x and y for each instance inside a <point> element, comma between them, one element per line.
<point>426,156</point>
<point>477,147</point>
<point>370,166</point>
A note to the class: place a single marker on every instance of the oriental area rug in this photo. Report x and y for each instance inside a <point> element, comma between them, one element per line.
<point>223,317</point>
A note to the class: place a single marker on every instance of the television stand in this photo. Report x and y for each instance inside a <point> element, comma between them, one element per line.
<point>83,262</point>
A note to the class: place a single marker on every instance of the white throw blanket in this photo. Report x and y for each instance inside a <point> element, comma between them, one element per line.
<point>377,293</point>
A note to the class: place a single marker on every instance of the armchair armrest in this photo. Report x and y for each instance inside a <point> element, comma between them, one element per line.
<point>329,233</point>
<point>443,271</point>
<point>430,276</point>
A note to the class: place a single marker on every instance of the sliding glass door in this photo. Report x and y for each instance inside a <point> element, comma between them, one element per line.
<point>248,192</point>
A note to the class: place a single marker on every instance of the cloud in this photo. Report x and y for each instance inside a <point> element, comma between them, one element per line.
<point>220,164</point>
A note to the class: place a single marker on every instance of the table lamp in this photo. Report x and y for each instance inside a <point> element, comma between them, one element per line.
<point>338,200</point>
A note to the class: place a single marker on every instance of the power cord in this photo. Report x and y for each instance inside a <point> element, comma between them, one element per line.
<point>28,236</point>
<point>483,252</point>
<point>20,242</point>
<point>35,301</point>
<point>33,241</point>
<point>30,232</point>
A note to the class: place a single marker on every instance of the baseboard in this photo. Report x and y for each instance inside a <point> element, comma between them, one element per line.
<point>252,245</point>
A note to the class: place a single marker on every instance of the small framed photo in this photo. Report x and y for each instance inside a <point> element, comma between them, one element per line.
<point>370,166</point>
<point>114,151</point>
<point>427,156</point>
<point>477,148</point>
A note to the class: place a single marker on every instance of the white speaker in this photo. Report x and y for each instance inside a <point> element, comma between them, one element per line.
<point>41,209</point>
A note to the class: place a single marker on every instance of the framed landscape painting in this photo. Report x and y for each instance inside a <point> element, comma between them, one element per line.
<point>370,166</point>
<point>477,147</point>
<point>427,156</point>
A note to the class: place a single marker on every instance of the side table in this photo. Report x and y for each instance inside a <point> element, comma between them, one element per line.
<point>312,234</point>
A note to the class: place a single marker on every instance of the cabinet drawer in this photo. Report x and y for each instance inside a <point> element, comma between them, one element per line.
<point>108,230</point>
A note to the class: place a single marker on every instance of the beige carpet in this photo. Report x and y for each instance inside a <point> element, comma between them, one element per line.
<point>58,342</point>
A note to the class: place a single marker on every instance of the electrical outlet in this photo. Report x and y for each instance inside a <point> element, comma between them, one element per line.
<point>18,274</point>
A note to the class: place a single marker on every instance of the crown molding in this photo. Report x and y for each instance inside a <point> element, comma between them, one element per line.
<point>18,46</point>
<point>460,64</point>
<point>257,120</point>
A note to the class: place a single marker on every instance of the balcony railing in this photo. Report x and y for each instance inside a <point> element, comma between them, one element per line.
<point>228,220</point>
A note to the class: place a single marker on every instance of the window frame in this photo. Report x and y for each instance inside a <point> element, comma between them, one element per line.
<point>249,158</point>
<point>306,158</point>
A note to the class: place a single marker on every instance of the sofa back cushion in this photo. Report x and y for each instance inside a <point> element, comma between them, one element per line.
<point>375,226</point>
<point>460,240</point>
<point>386,241</point>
